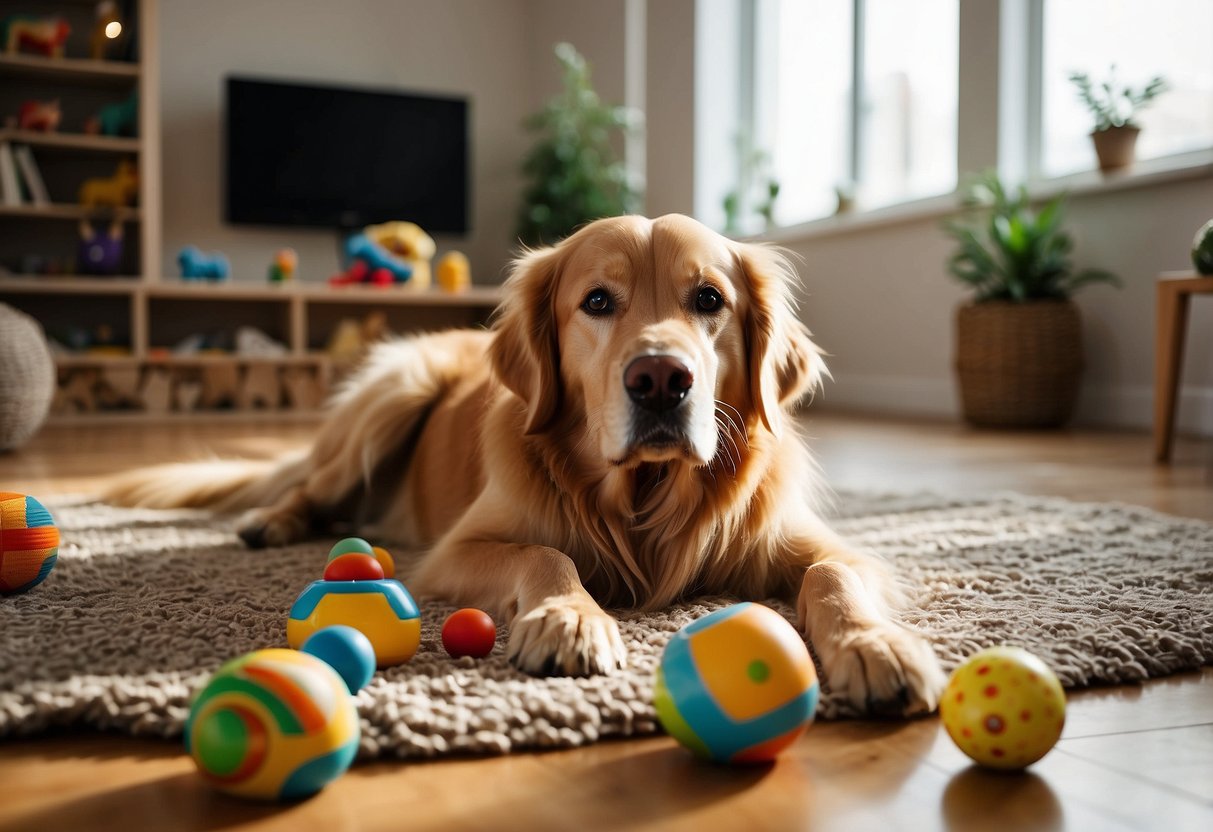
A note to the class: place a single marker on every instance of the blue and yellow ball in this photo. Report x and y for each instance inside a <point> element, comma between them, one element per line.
<point>737,685</point>
<point>277,724</point>
<point>29,543</point>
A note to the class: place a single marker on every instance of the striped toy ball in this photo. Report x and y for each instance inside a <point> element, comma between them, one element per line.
<point>737,685</point>
<point>29,543</point>
<point>273,724</point>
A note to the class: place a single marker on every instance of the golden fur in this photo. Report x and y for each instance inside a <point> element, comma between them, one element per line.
<point>513,457</point>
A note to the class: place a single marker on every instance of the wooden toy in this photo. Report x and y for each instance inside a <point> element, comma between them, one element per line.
<point>119,119</point>
<point>454,272</point>
<point>116,191</point>
<point>284,266</point>
<point>279,724</point>
<point>198,266</point>
<point>380,608</point>
<point>41,35</point>
<point>303,389</point>
<point>41,116</point>
<point>220,386</point>
<point>99,252</point>
<point>737,685</point>
<point>107,29</point>
<point>260,387</point>
<point>469,632</point>
<point>1004,708</point>
<point>156,392</point>
<point>29,543</point>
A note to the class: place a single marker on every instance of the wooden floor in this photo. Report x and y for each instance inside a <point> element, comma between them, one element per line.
<point>1130,758</point>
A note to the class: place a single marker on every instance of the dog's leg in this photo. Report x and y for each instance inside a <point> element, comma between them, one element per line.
<point>843,606</point>
<point>556,628</point>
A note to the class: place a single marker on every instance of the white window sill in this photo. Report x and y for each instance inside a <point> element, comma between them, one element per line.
<point>1144,174</point>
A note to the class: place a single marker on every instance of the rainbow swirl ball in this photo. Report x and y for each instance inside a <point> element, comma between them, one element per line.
<point>273,724</point>
<point>737,685</point>
<point>1004,708</point>
<point>29,543</point>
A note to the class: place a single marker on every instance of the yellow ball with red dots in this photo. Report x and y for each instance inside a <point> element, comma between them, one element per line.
<point>1004,708</point>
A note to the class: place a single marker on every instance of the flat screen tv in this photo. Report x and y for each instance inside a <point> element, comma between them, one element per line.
<point>343,158</point>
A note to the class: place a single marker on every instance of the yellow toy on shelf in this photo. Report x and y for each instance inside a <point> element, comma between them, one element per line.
<point>454,272</point>
<point>116,191</point>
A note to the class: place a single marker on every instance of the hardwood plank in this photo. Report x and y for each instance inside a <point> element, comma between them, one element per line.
<point>1171,758</point>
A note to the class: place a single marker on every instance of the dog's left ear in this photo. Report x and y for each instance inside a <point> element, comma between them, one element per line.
<point>525,353</point>
<point>784,363</point>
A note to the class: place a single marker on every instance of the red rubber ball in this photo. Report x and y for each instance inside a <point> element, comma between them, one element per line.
<point>353,566</point>
<point>469,632</point>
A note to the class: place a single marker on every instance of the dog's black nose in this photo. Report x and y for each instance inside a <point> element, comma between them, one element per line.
<point>658,382</point>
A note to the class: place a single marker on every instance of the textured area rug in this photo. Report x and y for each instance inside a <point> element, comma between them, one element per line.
<point>144,605</point>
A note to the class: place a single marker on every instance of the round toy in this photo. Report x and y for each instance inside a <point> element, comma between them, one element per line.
<point>29,543</point>
<point>27,377</point>
<point>347,651</point>
<point>353,566</point>
<point>351,544</point>
<point>737,685</point>
<point>385,560</point>
<point>276,724</point>
<point>469,632</point>
<point>1004,708</point>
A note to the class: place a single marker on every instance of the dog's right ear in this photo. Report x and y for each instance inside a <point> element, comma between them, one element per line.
<point>525,352</point>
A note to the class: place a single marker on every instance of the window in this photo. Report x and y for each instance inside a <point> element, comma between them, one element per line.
<point>1142,38</point>
<point>796,118</point>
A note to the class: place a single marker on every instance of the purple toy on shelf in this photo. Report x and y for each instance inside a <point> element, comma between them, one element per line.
<point>99,252</point>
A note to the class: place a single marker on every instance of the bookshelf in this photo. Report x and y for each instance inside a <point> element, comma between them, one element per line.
<point>149,314</point>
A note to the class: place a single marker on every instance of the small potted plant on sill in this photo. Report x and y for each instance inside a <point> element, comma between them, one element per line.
<point>1019,341</point>
<point>1115,133</point>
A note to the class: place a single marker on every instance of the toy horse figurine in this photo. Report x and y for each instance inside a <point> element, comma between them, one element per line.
<point>42,35</point>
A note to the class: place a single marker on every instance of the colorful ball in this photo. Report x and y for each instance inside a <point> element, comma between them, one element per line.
<point>737,685</point>
<point>347,651</point>
<point>1004,708</point>
<point>353,566</point>
<point>351,544</point>
<point>29,543</point>
<point>383,611</point>
<point>273,724</point>
<point>385,560</point>
<point>469,632</point>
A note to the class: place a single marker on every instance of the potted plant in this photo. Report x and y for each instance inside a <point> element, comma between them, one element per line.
<point>575,174</point>
<point>1115,133</point>
<point>1019,341</point>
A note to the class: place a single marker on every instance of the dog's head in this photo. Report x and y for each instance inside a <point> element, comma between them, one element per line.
<point>659,334</point>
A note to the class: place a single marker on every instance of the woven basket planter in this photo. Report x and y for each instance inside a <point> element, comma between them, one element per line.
<point>1019,364</point>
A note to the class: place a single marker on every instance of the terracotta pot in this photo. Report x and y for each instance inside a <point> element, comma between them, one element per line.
<point>1115,147</point>
<point>1019,364</point>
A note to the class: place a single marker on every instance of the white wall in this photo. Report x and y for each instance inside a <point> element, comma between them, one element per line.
<point>462,47</point>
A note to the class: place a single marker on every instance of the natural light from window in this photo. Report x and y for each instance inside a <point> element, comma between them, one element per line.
<point>1143,38</point>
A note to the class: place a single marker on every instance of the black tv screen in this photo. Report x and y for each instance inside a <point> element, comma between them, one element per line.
<point>344,158</point>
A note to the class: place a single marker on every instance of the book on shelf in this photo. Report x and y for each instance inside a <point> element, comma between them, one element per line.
<point>32,175</point>
<point>10,185</point>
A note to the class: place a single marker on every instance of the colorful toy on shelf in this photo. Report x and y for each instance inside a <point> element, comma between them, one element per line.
<point>279,724</point>
<point>386,254</point>
<point>99,252</point>
<point>40,116</point>
<point>198,266</point>
<point>29,543</point>
<point>1004,708</point>
<point>119,119</point>
<point>737,685</point>
<point>284,266</point>
<point>454,272</point>
<point>40,35</point>
<point>107,29</point>
<point>356,593</point>
<point>469,632</point>
<point>117,191</point>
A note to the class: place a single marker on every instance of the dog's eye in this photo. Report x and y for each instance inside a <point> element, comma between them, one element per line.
<point>708,300</point>
<point>598,302</point>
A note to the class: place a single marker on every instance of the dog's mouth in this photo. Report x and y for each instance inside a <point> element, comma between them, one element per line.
<point>658,443</point>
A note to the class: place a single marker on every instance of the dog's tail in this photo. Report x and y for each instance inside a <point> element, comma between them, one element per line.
<point>221,484</point>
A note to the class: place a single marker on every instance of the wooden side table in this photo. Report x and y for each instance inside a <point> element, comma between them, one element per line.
<point>1174,291</point>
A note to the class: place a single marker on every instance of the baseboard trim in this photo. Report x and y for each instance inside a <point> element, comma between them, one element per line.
<point>1129,406</point>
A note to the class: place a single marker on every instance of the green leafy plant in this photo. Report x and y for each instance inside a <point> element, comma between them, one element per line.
<point>575,175</point>
<point>1113,105</point>
<point>756,189</point>
<point>1009,252</point>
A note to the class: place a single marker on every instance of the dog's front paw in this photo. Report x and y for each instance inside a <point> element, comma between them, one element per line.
<point>883,670</point>
<point>262,527</point>
<point>563,638</point>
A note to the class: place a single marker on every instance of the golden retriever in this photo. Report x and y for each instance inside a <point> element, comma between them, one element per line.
<point>622,436</point>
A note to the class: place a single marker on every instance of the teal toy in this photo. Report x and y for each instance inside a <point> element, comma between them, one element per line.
<point>119,119</point>
<point>281,724</point>
<point>737,685</point>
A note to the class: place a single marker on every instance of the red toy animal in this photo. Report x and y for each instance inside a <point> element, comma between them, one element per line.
<point>39,115</point>
<point>42,35</point>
